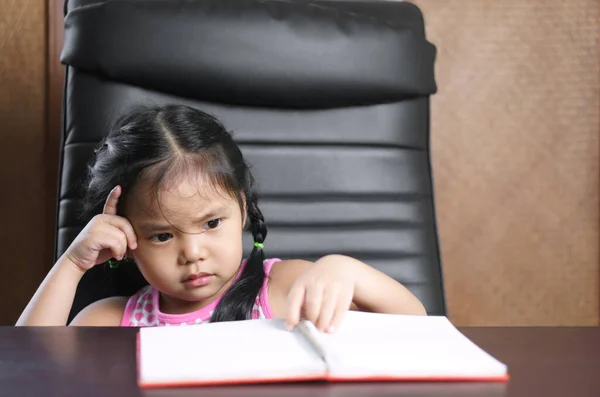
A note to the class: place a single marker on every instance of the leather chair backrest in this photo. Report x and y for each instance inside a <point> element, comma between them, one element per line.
<point>328,100</point>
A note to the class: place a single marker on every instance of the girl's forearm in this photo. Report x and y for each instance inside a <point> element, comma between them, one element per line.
<point>376,292</point>
<point>51,303</point>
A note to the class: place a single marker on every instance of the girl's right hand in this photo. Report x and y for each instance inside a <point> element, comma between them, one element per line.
<point>106,236</point>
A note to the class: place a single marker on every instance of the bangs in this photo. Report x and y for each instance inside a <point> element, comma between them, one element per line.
<point>208,171</point>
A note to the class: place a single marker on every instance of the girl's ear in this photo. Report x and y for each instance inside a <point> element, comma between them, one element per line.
<point>129,255</point>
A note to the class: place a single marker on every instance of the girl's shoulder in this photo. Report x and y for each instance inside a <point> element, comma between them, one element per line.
<point>106,312</point>
<point>286,271</point>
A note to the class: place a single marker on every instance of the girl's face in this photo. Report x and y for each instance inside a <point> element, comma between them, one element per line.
<point>189,242</point>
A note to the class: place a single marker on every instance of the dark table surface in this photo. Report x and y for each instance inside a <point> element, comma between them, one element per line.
<point>90,362</point>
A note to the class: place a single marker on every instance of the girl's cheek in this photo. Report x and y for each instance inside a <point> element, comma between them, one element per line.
<point>141,255</point>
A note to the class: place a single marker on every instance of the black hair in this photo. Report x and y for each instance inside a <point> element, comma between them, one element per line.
<point>158,142</point>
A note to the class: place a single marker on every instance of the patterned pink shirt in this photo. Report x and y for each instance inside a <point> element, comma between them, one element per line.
<point>142,309</point>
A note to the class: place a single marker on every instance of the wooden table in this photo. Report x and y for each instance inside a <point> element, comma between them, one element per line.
<point>101,362</point>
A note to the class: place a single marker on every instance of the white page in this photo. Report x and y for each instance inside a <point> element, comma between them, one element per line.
<point>368,344</point>
<point>243,350</point>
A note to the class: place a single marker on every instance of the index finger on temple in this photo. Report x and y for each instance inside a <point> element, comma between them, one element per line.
<point>110,206</point>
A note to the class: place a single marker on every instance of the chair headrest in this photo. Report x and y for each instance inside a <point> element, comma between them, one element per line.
<point>278,53</point>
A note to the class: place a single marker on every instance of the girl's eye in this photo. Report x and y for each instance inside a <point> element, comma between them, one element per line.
<point>161,237</point>
<point>213,224</point>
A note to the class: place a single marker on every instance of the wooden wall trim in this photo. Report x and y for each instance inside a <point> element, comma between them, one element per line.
<point>54,98</point>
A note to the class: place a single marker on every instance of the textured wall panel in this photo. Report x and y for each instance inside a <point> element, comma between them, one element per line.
<point>515,148</point>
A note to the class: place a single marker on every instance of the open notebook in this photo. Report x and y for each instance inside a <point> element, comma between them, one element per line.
<point>366,347</point>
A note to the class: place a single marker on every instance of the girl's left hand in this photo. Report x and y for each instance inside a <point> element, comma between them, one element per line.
<point>322,295</point>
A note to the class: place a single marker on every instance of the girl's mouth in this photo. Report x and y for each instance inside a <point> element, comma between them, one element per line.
<point>198,279</point>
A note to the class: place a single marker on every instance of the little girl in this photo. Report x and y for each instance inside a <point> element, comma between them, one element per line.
<point>173,193</point>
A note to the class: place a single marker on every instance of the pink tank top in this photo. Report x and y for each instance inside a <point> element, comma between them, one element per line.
<point>142,309</point>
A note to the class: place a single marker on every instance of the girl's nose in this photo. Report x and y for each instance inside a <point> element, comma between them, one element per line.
<point>193,248</point>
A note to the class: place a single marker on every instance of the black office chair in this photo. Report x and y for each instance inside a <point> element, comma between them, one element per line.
<point>329,101</point>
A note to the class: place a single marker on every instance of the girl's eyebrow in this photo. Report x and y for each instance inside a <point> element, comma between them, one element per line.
<point>159,225</point>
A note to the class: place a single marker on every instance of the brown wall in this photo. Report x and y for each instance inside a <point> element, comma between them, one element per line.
<point>23,242</point>
<point>515,130</point>
<point>515,145</point>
